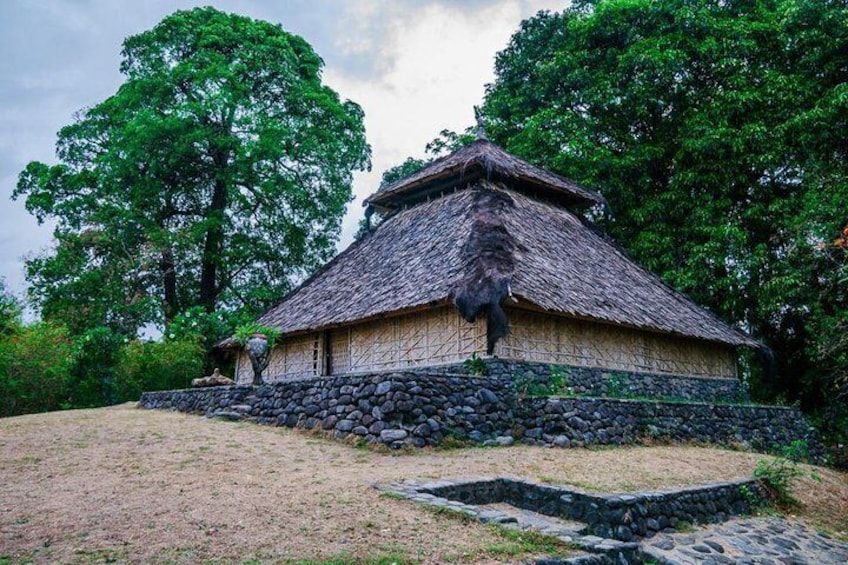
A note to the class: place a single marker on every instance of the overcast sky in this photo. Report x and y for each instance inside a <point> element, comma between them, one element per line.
<point>415,67</point>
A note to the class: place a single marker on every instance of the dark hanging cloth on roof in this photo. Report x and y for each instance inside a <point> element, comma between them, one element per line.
<point>489,260</point>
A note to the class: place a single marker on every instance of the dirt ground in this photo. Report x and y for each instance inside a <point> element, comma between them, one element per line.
<point>132,486</point>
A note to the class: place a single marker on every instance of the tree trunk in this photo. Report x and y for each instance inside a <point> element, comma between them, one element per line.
<point>169,282</point>
<point>212,247</point>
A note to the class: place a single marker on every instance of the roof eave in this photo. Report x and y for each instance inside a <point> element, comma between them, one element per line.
<point>446,180</point>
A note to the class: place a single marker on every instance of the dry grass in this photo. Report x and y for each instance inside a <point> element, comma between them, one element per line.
<point>126,485</point>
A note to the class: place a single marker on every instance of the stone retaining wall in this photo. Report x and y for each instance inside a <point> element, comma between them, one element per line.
<point>413,408</point>
<point>395,409</point>
<point>619,516</point>
<point>588,381</point>
<point>586,421</point>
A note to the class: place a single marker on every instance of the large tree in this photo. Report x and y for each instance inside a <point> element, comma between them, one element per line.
<point>716,131</point>
<point>216,176</point>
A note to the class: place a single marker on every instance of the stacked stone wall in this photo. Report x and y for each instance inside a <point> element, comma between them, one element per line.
<point>587,421</point>
<point>394,408</point>
<point>587,381</point>
<point>418,409</point>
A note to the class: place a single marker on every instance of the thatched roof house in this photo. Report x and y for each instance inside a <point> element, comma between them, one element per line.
<point>482,252</point>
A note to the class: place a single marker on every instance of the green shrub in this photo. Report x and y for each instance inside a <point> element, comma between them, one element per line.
<point>556,384</point>
<point>149,365</point>
<point>476,366</point>
<point>35,369</point>
<point>96,353</point>
<point>197,323</point>
<point>245,331</point>
<point>779,474</point>
<point>559,381</point>
<point>617,385</point>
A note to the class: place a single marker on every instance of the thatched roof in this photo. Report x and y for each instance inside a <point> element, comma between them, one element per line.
<point>420,256</point>
<point>482,159</point>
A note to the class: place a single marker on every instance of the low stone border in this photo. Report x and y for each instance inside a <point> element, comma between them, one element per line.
<point>727,539</point>
<point>624,517</point>
<point>601,551</point>
<point>615,523</point>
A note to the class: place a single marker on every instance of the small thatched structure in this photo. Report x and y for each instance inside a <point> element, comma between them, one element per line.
<point>481,251</point>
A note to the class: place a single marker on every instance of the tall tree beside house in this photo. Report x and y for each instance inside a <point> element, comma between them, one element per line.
<point>716,132</point>
<point>216,176</point>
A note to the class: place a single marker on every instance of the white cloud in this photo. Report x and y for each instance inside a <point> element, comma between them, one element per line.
<point>439,60</point>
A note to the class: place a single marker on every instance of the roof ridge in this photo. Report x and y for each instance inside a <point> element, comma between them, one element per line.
<point>450,170</point>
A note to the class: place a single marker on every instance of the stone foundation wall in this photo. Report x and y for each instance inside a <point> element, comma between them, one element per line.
<point>588,381</point>
<point>587,421</point>
<point>413,408</point>
<point>395,409</point>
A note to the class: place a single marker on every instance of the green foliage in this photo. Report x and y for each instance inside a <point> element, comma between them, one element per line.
<point>616,384</point>
<point>556,384</point>
<point>35,369</point>
<point>449,141</point>
<point>42,368</point>
<point>476,366</point>
<point>147,365</point>
<point>10,311</point>
<point>216,176</point>
<point>778,475</point>
<point>197,324</point>
<point>715,130</point>
<point>408,167</point>
<point>750,497</point>
<point>246,331</point>
<point>96,354</point>
<point>684,527</point>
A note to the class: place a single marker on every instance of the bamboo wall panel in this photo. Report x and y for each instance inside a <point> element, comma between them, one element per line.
<point>339,351</point>
<point>413,340</point>
<point>244,371</point>
<point>297,357</point>
<point>548,339</point>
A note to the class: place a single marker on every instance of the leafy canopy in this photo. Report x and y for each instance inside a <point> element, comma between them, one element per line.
<point>216,176</point>
<point>716,131</point>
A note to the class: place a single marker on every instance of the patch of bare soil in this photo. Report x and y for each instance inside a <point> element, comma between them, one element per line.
<point>133,486</point>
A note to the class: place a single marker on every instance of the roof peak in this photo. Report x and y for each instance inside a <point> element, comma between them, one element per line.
<point>482,159</point>
<point>481,128</point>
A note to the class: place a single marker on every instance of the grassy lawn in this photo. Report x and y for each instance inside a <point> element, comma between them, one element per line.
<point>122,485</point>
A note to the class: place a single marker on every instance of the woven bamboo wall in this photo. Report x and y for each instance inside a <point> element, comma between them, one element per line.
<point>442,336</point>
<point>548,339</point>
<point>244,372</point>
<point>293,358</point>
<point>413,340</point>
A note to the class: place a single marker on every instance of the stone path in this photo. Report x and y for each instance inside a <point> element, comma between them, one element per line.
<point>749,541</point>
<point>503,513</point>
